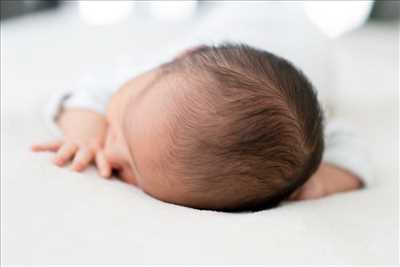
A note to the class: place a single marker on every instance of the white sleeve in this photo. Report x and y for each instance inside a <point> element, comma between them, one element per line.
<point>94,90</point>
<point>345,149</point>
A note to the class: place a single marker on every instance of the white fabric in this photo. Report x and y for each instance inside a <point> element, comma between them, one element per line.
<point>52,215</point>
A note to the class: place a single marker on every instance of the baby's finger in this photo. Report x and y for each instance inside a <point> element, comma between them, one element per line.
<point>82,159</point>
<point>65,153</point>
<point>52,146</point>
<point>103,165</point>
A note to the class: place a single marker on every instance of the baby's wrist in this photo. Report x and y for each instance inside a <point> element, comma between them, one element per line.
<point>82,124</point>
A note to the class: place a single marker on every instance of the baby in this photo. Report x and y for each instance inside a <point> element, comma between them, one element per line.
<point>227,127</point>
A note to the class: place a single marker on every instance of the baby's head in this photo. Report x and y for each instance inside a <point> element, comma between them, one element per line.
<point>227,128</point>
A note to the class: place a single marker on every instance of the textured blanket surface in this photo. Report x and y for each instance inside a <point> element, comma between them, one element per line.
<point>51,215</point>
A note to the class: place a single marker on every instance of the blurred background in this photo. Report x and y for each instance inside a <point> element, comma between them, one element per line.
<point>175,10</point>
<point>109,12</point>
<point>13,9</point>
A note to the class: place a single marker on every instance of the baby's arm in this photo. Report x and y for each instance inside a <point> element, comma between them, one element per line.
<point>76,117</point>
<point>345,165</point>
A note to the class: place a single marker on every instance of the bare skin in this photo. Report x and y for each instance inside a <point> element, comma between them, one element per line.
<point>91,138</point>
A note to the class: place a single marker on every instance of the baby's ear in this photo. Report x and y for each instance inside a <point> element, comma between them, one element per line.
<point>189,51</point>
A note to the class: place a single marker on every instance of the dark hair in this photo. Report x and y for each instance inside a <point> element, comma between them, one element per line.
<point>250,129</point>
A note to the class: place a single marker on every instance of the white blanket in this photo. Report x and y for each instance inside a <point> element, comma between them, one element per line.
<point>51,215</point>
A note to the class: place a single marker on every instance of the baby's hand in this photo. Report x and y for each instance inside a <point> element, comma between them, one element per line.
<point>83,141</point>
<point>327,180</point>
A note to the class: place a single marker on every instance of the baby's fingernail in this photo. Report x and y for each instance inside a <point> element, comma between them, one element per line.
<point>57,161</point>
<point>77,168</point>
<point>105,174</point>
